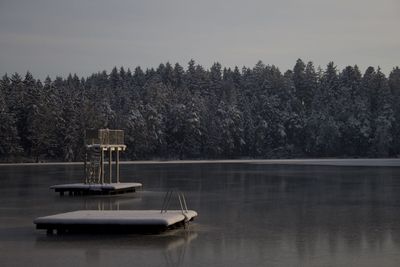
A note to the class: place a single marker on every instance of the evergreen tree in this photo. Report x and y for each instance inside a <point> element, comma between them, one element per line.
<point>9,140</point>
<point>394,84</point>
<point>350,113</point>
<point>299,81</point>
<point>322,127</point>
<point>381,113</point>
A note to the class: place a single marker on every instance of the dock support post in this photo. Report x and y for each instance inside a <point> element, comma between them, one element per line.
<point>117,164</point>
<point>102,166</point>
<point>110,164</point>
<point>85,168</point>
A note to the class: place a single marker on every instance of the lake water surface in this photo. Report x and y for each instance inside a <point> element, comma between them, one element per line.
<point>250,214</point>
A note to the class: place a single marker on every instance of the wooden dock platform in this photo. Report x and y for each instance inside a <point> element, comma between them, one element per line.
<point>114,221</point>
<point>96,189</point>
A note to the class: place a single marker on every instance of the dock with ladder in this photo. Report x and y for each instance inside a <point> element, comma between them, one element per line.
<point>119,221</point>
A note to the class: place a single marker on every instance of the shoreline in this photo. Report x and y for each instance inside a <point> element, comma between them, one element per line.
<point>374,162</point>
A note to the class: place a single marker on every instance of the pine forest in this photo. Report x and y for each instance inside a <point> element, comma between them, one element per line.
<point>176,112</point>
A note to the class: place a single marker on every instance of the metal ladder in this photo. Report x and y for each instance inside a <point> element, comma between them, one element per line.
<point>92,166</point>
<point>167,200</point>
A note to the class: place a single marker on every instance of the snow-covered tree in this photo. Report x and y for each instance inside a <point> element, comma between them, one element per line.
<point>173,112</point>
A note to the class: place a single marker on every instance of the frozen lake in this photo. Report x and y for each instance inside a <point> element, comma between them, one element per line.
<point>251,213</point>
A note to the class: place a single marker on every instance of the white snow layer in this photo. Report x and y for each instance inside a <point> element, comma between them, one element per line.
<point>96,186</point>
<point>121,217</point>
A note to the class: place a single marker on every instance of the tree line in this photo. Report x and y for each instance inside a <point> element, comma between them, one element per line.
<point>173,112</point>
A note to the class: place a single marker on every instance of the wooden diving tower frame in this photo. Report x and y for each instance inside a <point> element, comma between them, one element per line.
<point>99,144</point>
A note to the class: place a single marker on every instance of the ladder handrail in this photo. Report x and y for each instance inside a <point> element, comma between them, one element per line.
<point>167,200</point>
<point>184,202</point>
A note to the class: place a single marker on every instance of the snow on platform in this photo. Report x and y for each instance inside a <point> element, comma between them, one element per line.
<point>108,221</point>
<point>100,189</point>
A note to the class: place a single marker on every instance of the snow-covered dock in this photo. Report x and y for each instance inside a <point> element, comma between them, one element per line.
<point>111,221</point>
<point>96,189</point>
<point>96,180</point>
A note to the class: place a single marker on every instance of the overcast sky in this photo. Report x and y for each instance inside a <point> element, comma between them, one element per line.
<point>85,36</point>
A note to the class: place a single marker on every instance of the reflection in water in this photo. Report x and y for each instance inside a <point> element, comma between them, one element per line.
<point>175,251</point>
<point>171,246</point>
<point>110,202</point>
<point>249,215</point>
<point>350,211</point>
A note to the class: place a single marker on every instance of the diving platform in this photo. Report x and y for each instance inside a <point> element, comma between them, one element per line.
<point>79,189</point>
<point>115,221</point>
<point>102,147</point>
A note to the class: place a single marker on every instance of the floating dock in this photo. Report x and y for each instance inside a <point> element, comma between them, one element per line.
<point>115,221</point>
<point>96,180</point>
<point>96,189</point>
